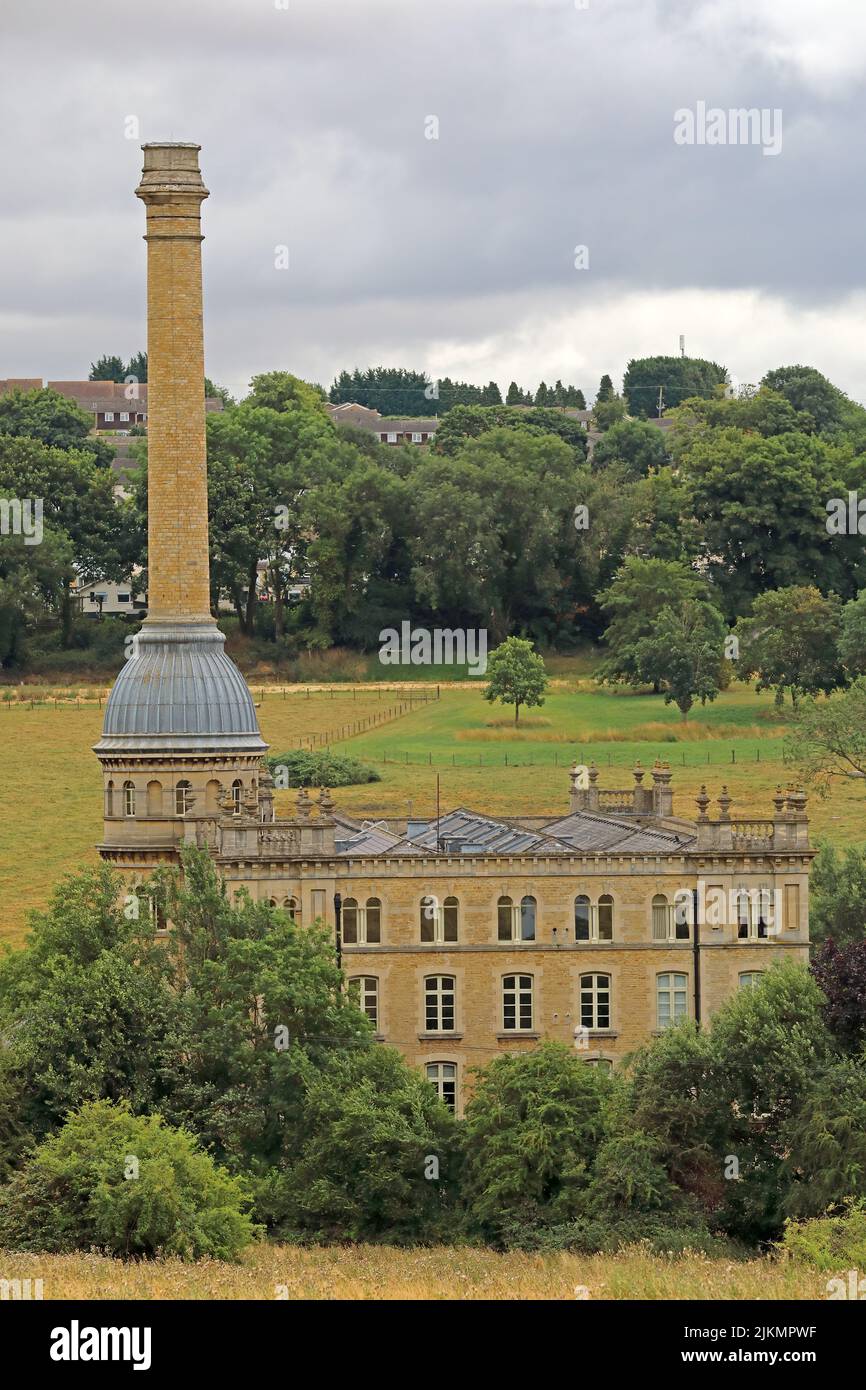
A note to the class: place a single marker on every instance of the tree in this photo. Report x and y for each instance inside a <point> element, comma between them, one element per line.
<point>516,675</point>
<point>576,398</point>
<point>374,1158</point>
<point>137,367</point>
<point>852,638</point>
<point>531,1130</point>
<point>837,895</point>
<point>751,542</point>
<point>471,421</point>
<point>636,444</point>
<point>514,395</point>
<point>52,419</point>
<point>282,391</point>
<point>789,641</point>
<point>677,378</point>
<point>639,592</point>
<point>825,1163</point>
<point>608,413</point>
<point>491,394</point>
<point>219,393</point>
<point>128,1185</point>
<point>807,390</point>
<point>829,738</point>
<point>684,653</point>
<point>840,972</point>
<point>107,369</point>
<point>605,390</point>
<point>94,536</point>
<point>542,395</point>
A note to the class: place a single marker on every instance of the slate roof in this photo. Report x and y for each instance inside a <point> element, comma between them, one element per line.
<point>585,831</point>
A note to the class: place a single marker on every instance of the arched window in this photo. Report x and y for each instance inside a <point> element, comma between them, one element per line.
<point>605,917</point>
<point>595,1001</point>
<point>129,798</point>
<point>362,925</point>
<point>582,918</point>
<point>237,795</point>
<point>272,902</point>
<point>593,922</point>
<point>527,918</point>
<point>443,1075</point>
<point>182,797</point>
<point>671,998</point>
<point>604,1064</point>
<point>754,912</point>
<point>505,919</point>
<point>439,997</point>
<point>109,799</point>
<point>439,922</point>
<point>748,978</point>
<point>364,989</point>
<point>516,922</point>
<point>292,907</point>
<point>670,921</point>
<point>517,1011</point>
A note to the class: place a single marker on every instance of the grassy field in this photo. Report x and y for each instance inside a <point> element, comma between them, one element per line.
<point>50,783</point>
<point>375,1272</point>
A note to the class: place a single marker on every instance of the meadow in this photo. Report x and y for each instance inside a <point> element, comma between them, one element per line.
<point>50,784</point>
<point>371,1272</point>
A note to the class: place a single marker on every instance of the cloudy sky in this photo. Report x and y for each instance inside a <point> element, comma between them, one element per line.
<point>455,254</point>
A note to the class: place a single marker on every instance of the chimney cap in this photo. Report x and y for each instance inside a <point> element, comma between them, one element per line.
<point>170,145</point>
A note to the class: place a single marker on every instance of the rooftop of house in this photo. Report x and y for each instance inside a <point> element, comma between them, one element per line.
<point>98,396</point>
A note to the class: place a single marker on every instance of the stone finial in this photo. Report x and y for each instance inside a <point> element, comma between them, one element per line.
<point>724,800</point>
<point>779,801</point>
<point>796,800</point>
<point>703,802</point>
<point>304,804</point>
<point>638,773</point>
<point>326,801</point>
<point>593,773</point>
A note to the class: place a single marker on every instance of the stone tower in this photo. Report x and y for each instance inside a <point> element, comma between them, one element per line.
<point>180,744</point>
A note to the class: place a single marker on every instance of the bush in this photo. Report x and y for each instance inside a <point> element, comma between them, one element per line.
<point>305,768</point>
<point>530,1133</point>
<point>829,1242</point>
<point>607,1235</point>
<point>127,1185</point>
<point>374,1159</point>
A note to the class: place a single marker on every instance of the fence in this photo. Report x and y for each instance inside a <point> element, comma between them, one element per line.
<point>715,757</point>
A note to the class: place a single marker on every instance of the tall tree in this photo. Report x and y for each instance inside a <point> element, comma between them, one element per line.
<point>107,369</point>
<point>605,390</point>
<point>514,395</point>
<point>516,675</point>
<point>684,653</point>
<point>789,642</point>
<point>677,378</point>
<point>640,590</point>
<point>491,394</point>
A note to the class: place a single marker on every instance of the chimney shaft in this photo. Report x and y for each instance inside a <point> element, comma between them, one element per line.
<point>172,191</point>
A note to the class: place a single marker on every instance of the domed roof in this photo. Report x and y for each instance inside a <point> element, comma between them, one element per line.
<point>179,691</point>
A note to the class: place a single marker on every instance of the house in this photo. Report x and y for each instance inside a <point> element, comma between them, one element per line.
<point>389,429</point>
<point>116,407</point>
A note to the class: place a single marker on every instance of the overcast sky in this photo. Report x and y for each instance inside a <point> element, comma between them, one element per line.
<point>453,255</point>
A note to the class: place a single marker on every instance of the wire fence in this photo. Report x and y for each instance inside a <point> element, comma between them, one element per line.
<point>709,757</point>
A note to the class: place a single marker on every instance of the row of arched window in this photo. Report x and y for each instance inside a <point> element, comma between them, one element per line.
<point>517,920</point>
<point>128,798</point>
<point>518,1001</point>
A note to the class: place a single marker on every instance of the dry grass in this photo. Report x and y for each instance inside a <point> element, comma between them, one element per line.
<point>370,1272</point>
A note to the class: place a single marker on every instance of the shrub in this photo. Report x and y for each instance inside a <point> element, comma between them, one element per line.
<point>127,1185</point>
<point>305,768</point>
<point>530,1133</point>
<point>829,1242</point>
<point>374,1158</point>
<point>607,1234</point>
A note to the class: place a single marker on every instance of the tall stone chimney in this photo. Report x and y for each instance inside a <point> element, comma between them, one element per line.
<point>180,741</point>
<point>172,190</point>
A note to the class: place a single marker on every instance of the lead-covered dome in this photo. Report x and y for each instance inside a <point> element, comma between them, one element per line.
<point>179,690</point>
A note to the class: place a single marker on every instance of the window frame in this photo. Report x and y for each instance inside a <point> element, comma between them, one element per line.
<point>518,984</point>
<point>128,799</point>
<point>366,998</point>
<point>590,997</point>
<point>439,924</point>
<point>674,930</point>
<point>362,922</point>
<point>671,991</point>
<point>593,918</point>
<point>440,1004</point>
<point>515,919</point>
<point>440,1081</point>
